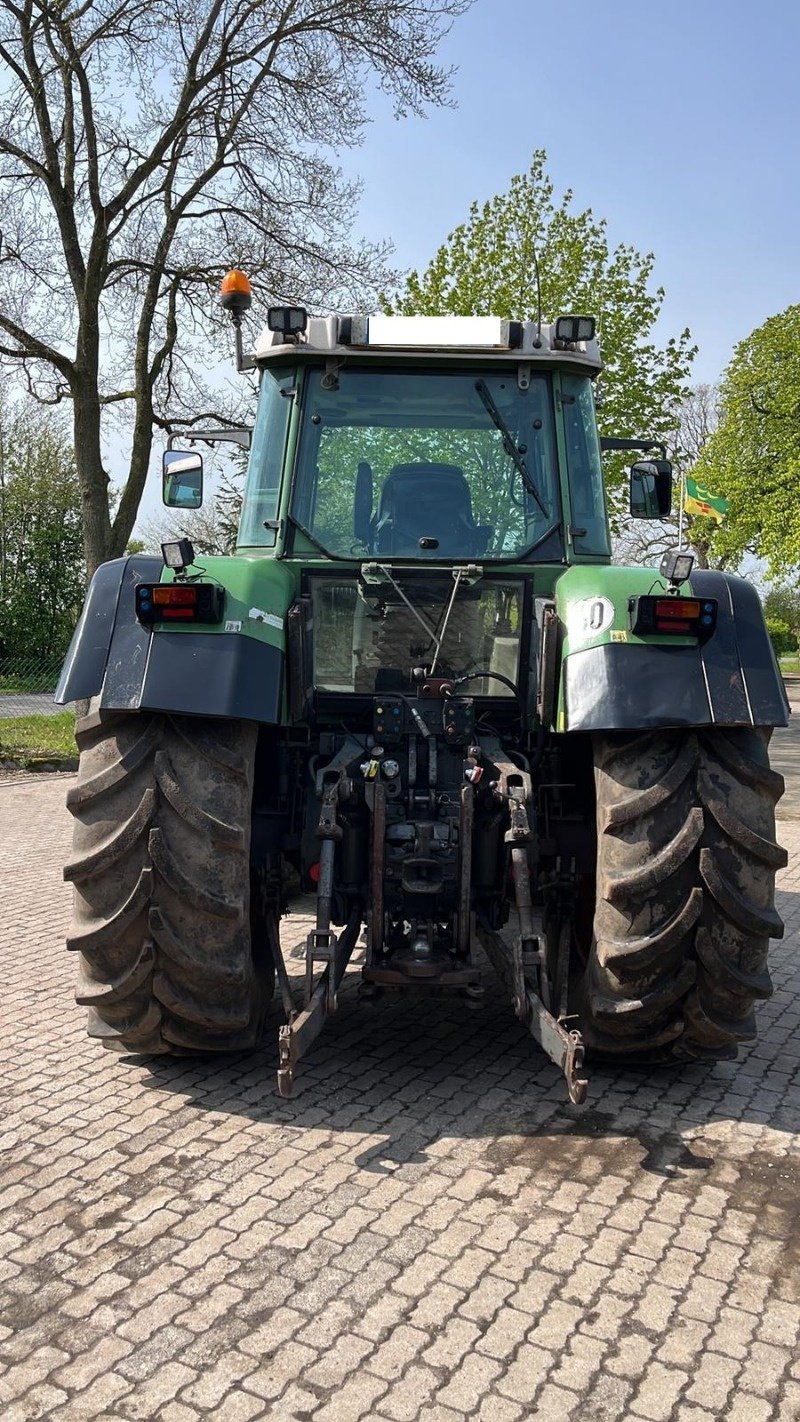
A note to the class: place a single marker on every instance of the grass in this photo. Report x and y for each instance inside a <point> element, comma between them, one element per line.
<point>790,663</point>
<point>27,740</point>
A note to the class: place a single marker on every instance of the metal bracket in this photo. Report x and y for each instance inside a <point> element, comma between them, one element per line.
<point>330,380</point>
<point>321,945</point>
<point>333,772</point>
<point>563,1046</point>
<point>237,434</point>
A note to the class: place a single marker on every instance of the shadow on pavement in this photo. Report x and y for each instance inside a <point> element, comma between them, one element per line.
<point>412,1085</point>
<point>415,1067</point>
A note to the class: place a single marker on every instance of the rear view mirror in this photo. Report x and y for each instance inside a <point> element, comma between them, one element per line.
<point>182,479</point>
<point>651,488</point>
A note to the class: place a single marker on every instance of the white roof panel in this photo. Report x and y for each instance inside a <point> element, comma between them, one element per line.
<point>472,332</point>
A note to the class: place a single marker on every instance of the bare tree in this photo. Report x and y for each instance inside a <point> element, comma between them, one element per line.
<point>697,420</point>
<point>147,145</point>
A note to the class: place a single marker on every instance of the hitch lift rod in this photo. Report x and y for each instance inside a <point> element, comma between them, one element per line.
<point>525,973</point>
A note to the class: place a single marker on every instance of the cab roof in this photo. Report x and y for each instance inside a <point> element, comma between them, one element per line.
<point>420,337</point>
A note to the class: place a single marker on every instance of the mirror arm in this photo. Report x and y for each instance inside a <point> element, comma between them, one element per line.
<point>237,434</point>
<point>610,442</point>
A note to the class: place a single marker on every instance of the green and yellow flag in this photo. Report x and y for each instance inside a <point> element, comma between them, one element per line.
<point>698,500</point>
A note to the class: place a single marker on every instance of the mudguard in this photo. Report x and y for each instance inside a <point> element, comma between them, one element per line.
<point>221,672</point>
<point>614,680</point>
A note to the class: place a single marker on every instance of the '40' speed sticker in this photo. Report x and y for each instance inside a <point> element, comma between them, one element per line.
<point>589,618</point>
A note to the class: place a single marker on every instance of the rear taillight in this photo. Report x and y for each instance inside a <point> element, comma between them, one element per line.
<point>673,616</point>
<point>179,602</point>
<point>175,595</point>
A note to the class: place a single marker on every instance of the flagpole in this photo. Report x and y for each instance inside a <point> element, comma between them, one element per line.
<point>680,511</point>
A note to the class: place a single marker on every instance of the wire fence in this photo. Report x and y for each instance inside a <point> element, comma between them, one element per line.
<point>33,729</point>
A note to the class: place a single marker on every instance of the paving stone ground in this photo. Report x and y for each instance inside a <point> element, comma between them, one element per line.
<point>426,1230</point>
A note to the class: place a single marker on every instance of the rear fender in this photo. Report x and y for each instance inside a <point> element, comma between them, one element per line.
<point>613,680</point>
<point>234,671</point>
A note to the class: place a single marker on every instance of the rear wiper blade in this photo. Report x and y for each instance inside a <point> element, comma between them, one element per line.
<point>508,443</point>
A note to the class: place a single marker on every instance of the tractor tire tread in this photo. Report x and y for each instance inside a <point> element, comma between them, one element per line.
<point>161,884</point>
<point>685,908</point>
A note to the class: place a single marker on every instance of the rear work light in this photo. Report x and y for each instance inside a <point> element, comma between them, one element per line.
<point>673,616</point>
<point>179,602</point>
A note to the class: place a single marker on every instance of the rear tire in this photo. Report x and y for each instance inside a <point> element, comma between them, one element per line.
<point>161,872</point>
<point>686,863</point>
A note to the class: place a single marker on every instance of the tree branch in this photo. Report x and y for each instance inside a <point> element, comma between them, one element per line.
<point>34,349</point>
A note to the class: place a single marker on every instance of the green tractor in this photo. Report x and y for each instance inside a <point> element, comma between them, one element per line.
<point>421,692</point>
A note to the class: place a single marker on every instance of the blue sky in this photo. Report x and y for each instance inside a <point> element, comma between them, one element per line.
<point>678,123</point>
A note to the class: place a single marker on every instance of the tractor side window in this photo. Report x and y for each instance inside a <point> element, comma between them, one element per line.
<point>585,468</point>
<point>263,486</point>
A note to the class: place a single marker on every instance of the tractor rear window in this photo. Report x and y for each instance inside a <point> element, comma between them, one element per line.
<point>369,637</point>
<point>399,464</point>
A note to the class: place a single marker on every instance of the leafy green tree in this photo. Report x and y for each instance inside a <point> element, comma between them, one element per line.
<point>781,636</point>
<point>754,458</point>
<point>488,266</point>
<point>41,543</point>
<point>782,603</point>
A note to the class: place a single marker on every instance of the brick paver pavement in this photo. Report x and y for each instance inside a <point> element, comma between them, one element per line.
<point>425,1231</point>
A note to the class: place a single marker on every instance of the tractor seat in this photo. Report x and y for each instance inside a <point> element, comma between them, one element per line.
<point>425,500</point>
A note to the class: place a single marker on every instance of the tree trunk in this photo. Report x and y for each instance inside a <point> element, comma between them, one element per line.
<point>701,550</point>
<point>92,476</point>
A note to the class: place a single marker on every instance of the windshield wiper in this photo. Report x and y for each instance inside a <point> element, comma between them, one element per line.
<point>508,443</point>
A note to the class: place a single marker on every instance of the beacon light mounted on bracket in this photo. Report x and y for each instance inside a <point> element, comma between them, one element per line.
<point>236,297</point>
<point>674,615</point>
<point>184,600</point>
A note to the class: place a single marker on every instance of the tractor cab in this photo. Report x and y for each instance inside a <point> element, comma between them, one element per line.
<point>426,440</point>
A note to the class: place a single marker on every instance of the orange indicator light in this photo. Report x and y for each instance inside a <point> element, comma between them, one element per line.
<point>173,595</point>
<point>679,607</point>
